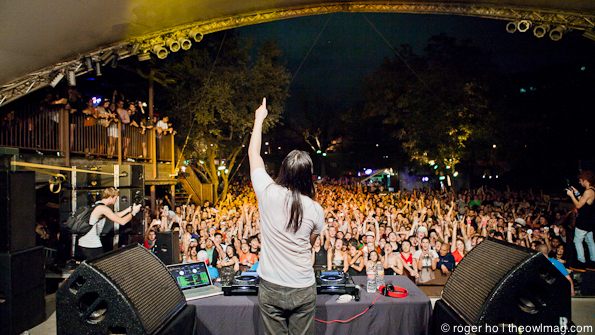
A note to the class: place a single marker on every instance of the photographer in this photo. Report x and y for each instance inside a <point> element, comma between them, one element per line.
<point>585,220</point>
<point>90,244</point>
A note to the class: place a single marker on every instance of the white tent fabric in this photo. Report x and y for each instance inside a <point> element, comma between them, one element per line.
<point>39,33</point>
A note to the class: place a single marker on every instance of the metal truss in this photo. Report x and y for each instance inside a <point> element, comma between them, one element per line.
<point>42,78</point>
<point>145,45</point>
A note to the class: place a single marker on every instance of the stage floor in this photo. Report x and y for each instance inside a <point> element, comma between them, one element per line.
<point>582,314</point>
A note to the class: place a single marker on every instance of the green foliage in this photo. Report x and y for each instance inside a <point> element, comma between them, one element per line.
<point>438,104</point>
<point>219,87</point>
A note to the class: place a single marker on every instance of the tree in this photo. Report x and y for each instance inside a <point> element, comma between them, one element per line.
<point>319,125</point>
<point>218,89</point>
<point>438,102</point>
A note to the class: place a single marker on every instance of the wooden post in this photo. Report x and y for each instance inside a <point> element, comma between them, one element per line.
<point>152,132</point>
<point>173,155</point>
<point>153,199</point>
<point>120,142</point>
<point>64,134</point>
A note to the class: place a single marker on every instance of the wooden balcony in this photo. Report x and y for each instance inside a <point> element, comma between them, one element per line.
<point>54,129</point>
<point>63,139</point>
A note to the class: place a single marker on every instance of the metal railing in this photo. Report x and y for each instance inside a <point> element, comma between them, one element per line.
<point>54,129</point>
<point>30,128</point>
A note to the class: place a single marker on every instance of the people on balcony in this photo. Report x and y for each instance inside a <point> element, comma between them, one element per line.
<point>92,130</point>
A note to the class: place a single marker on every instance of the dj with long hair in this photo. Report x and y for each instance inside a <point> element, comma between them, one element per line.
<point>290,222</point>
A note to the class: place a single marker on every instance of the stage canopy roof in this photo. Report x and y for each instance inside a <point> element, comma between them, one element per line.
<point>42,39</point>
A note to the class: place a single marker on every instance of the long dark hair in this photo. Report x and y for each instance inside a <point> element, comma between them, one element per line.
<point>296,175</point>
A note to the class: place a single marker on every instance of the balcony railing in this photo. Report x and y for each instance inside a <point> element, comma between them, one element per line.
<point>54,129</point>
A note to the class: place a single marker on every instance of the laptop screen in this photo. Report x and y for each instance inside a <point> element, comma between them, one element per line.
<point>190,275</point>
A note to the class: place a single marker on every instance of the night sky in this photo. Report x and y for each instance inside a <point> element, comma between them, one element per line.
<point>349,48</point>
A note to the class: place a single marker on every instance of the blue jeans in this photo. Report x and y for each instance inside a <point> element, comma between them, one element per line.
<point>579,236</point>
<point>286,310</point>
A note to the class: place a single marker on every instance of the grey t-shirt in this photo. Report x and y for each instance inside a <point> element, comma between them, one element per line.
<point>285,257</point>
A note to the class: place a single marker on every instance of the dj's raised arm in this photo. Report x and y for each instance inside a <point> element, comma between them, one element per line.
<point>256,139</point>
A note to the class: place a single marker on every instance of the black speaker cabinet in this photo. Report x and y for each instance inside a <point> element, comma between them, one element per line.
<point>126,291</point>
<point>131,176</point>
<point>499,283</point>
<point>168,247</point>
<point>128,197</point>
<point>17,210</point>
<point>22,290</point>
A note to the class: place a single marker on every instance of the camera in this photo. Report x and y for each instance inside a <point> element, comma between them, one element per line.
<point>139,199</point>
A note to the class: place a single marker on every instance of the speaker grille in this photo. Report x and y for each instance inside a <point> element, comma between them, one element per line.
<point>150,287</point>
<point>478,273</point>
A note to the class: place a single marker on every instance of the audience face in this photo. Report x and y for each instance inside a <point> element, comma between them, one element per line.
<point>406,246</point>
<point>444,249</point>
<point>425,244</point>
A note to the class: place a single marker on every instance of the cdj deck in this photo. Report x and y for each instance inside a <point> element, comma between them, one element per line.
<point>336,282</point>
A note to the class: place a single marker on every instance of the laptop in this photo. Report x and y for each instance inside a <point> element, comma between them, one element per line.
<point>194,280</point>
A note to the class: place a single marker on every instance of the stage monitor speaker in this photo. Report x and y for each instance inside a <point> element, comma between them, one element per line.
<point>133,176</point>
<point>168,247</point>
<point>17,210</point>
<point>22,290</point>
<point>499,283</point>
<point>126,291</point>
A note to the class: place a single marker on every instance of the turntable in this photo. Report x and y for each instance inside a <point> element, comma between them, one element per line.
<point>332,278</point>
<point>336,282</point>
<point>245,284</point>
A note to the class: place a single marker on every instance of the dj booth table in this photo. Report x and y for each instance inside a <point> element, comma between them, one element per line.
<point>241,315</point>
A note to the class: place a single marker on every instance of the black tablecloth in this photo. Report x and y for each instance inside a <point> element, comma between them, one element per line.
<point>237,315</point>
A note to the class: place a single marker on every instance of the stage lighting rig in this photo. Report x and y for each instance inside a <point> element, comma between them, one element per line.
<point>512,27</point>
<point>56,79</point>
<point>524,25</point>
<point>160,51</point>
<point>172,44</point>
<point>195,34</point>
<point>185,43</point>
<point>541,30</point>
<point>557,33</point>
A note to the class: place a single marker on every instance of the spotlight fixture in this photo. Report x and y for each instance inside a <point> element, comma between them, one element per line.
<point>144,56</point>
<point>512,27</point>
<point>56,79</point>
<point>71,78</point>
<point>185,43</point>
<point>589,34</point>
<point>114,62</point>
<point>541,30</point>
<point>556,33</point>
<point>89,64</point>
<point>173,45</point>
<point>106,55</point>
<point>135,48</point>
<point>160,51</point>
<point>195,34</point>
<point>97,69</point>
<point>107,60</point>
<point>524,25</point>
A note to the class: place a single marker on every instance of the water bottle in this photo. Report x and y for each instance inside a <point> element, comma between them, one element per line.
<point>371,274</point>
<point>379,275</point>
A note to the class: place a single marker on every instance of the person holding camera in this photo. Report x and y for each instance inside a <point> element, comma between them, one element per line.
<point>90,243</point>
<point>585,220</point>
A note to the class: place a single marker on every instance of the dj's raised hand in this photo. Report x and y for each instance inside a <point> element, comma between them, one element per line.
<point>261,112</point>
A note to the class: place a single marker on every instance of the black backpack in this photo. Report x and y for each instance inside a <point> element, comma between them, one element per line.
<point>79,222</point>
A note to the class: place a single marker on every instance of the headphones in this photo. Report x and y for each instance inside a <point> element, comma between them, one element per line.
<point>388,290</point>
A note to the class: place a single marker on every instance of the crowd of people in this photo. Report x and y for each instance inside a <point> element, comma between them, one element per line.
<point>411,233</point>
